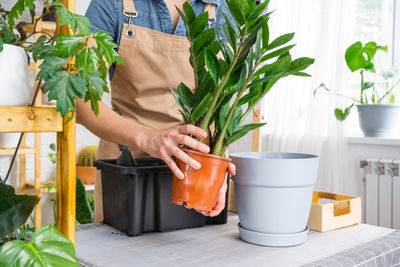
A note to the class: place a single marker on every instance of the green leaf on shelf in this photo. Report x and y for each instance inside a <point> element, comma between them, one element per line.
<point>65,87</point>
<point>48,247</point>
<point>14,209</point>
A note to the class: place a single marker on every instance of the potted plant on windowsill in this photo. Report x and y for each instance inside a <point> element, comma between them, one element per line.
<point>227,89</point>
<point>377,112</point>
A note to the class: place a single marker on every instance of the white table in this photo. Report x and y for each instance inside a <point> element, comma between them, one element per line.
<point>211,245</point>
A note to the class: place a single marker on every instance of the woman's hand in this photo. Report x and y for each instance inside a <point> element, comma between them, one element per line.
<point>165,143</point>
<point>220,205</point>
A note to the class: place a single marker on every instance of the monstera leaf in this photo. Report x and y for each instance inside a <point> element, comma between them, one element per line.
<point>14,209</point>
<point>48,247</point>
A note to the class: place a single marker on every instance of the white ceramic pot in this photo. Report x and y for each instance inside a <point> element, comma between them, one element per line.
<point>379,120</point>
<point>273,193</point>
<point>14,85</point>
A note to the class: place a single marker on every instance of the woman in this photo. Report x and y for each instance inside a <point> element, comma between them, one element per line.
<point>152,43</point>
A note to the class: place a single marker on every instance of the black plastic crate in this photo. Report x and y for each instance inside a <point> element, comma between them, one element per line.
<point>137,199</point>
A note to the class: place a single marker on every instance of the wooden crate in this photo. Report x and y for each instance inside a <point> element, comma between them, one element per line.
<point>344,211</point>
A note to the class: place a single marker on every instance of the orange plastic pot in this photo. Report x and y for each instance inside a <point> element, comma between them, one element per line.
<point>199,189</point>
<point>86,174</point>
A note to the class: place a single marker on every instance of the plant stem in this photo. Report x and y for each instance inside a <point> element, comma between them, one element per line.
<point>207,117</point>
<point>362,86</point>
<point>218,148</point>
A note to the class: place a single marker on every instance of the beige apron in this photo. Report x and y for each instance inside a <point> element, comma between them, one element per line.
<point>154,62</point>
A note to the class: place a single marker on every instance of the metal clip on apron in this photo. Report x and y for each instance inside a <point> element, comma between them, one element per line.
<point>154,62</point>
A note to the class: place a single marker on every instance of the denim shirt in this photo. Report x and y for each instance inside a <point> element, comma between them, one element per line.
<point>107,15</point>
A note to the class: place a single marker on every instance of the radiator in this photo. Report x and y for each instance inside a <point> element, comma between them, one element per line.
<point>382,192</point>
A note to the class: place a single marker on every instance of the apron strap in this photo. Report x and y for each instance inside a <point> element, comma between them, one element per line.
<point>211,12</point>
<point>129,8</point>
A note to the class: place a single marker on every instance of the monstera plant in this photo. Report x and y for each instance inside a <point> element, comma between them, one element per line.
<point>227,88</point>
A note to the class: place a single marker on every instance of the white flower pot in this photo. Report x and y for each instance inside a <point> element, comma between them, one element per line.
<point>273,193</point>
<point>379,120</point>
<point>14,85</point>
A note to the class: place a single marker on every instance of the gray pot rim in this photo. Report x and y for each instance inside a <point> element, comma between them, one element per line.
<point>300,156</point>
<point>378,105</point>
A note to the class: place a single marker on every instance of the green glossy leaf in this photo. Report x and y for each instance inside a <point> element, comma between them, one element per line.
<point>17,10</point>
<point>86,61</point>
<point>266,78</point>
<point>47,248</point>
<point>367,85</point>
<point>204,88</point>
<point>14,209</point>
<point>258,10</point>
<point>67,44</point>
<point>179,102</point>
<point>186,119</point>
<point>203,40</point>
<point>277,53</point>
<point>212,64</point>
<point>189,12</point>
<point>392,99</point>
<point>1,44</point>
<point>265,32</point>
<point>300,64</point>
<point>281,40</point>
<point>230,33</point>
<point>186,95</point>
<point>341,115</point>
<point>240,10</point>
<point>355,58</point>
<point>83,24</point>
<point>301,74</point>
<point>249,97</point>
<point>105,47</point>
<point>65,87</point>
<point>198,25</point>
<point>243,130</point>
<point>279,65</point>
<point>235,120</point>
<point>84,213</point>
<point>222,115</point>
<point>201,109</point>
<point>50,65</point>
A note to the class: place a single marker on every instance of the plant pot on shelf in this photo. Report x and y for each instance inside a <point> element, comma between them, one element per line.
<point>14,85</point>
<point>273,194</point>
<point>379,120</point>
<point>86,174</point>
<point>199,189</point>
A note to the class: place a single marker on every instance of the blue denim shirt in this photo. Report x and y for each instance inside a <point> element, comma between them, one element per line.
<point>107,15</point>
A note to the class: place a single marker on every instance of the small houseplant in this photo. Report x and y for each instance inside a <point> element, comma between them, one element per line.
<point>47,247</point>
<point>84,167</point>
<point>375,104</point>
<point>70,67</point>
<point>227,89</point>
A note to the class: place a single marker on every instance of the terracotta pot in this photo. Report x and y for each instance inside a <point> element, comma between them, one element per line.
<point>199,189</point>
<point>86,174</point>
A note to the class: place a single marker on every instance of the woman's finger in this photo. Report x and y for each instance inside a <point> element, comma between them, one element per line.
<point>172,165</point>
<point>179,154</point>
<point>232,169</point>
<point>189,129</point>
<point>192,143</point>
<point>205,213</point>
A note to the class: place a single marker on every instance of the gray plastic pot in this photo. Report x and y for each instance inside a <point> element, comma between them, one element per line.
<point>273,193</point>
<point>378,120</point>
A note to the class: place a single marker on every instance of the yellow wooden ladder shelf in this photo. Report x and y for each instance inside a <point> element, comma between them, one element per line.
<point>47,119</point>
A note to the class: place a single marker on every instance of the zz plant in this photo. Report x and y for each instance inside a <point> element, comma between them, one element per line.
<point>72,68</point>
<point>227,88</point>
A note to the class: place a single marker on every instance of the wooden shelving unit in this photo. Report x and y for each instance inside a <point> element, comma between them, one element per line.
<point>40,119</point>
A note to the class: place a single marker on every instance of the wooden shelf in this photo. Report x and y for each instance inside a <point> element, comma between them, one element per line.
<point>21,151</point>
<point>30,119</point>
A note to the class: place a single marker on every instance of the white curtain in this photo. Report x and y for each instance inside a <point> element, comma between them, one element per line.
<point>298,121</point>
